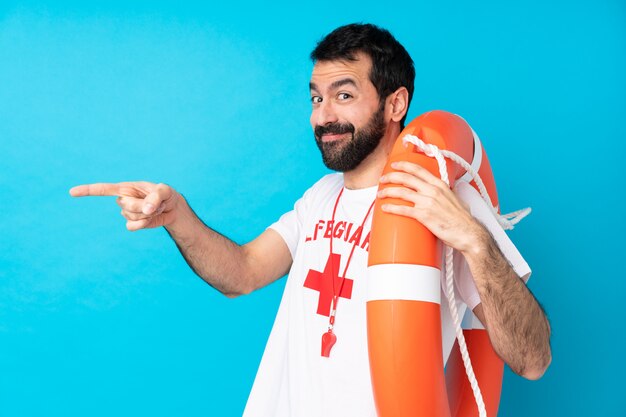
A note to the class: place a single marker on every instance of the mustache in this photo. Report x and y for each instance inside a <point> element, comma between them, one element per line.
<point>334,129</point>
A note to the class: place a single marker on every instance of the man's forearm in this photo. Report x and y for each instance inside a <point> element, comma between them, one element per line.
<point>516,323</point>
<point>213,257</point>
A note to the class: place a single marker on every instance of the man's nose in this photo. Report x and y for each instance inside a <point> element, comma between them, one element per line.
<point>324,114</point>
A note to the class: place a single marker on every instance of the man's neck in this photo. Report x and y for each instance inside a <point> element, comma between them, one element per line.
<point>368,173</point>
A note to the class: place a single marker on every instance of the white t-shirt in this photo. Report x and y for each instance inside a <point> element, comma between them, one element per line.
<point>293,379</point>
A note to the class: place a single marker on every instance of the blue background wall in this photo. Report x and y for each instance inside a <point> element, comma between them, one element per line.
<point>213,100</point>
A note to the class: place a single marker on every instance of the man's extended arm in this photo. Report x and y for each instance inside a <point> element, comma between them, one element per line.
<point>230,268</point>
<point>517,326</point>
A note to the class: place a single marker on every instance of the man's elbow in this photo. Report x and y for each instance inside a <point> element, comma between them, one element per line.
<point>245,286</point>
<point>537,370</point>
<point>233,294</point>
<point>238,293</point>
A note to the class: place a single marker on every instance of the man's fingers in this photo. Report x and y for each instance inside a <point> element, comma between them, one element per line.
<point>153,201</point>
<point>408,180</point>
<point>402,193</point>
<point>419,172</point>
<point>130,204</point>
<point>134,225</point>
<point>136,205</point>
<point>98,189</point>
<point>130,215</point>
<point>143,204</point>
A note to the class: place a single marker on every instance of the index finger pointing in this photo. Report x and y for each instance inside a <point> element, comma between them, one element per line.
<point>98,189</point>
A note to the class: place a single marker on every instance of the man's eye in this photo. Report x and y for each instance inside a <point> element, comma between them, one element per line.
<point>343,96</point>
<point>316,99</point>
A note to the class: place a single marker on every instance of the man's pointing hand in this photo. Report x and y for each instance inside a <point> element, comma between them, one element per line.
<point>144,205</point>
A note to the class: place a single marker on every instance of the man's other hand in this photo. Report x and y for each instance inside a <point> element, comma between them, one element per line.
<point>432,203</point>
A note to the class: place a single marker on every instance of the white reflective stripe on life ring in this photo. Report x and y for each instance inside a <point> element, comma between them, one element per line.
<point>403,282</point>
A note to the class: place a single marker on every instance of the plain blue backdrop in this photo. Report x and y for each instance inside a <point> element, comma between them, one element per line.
<point>213,100</point>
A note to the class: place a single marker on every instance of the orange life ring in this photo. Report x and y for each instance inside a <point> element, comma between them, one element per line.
<point>489,370</point>
<point>404,287</point>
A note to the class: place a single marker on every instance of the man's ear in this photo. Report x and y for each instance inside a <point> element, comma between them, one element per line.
<point>398,104</point>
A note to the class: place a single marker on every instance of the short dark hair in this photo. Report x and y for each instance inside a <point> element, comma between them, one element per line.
<point>392,66</point>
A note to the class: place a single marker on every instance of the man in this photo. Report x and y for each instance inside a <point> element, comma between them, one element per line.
<point>361,87</point>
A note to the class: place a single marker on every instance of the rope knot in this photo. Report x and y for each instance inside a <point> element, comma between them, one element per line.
<point>429,149</point>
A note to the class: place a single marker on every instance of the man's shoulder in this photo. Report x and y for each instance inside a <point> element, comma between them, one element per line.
<point>333,180</point>
<point>324,187</point>
<point>327,182</point>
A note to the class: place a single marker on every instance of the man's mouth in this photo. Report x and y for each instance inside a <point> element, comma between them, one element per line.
<point>334,132</point>
<point>332,137</point>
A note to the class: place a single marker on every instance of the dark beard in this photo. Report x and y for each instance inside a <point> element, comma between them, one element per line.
<point>345,156</point>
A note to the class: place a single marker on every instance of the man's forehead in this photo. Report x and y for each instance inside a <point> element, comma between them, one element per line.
<point>329,71</point>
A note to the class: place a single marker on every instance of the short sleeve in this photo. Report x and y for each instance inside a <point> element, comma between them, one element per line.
<point>288,227</point>
<point>480,210</point>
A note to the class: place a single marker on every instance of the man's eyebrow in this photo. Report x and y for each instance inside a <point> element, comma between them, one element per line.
<point>342,82</point>
<point>336,84</point>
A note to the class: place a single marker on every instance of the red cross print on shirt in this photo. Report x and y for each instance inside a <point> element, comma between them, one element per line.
<point>323,282</point>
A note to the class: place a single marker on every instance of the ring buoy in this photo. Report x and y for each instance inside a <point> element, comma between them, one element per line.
<point>404,287</point>
<point>488,367</point>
